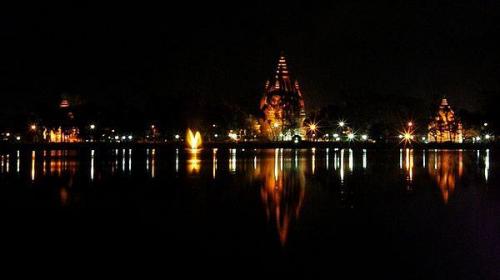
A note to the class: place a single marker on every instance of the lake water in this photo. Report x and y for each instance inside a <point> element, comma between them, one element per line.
<point>401,214</point>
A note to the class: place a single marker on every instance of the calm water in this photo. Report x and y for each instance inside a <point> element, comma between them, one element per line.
<point>402,214</point>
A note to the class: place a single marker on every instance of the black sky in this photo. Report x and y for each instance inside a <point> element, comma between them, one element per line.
<point>133,56</point>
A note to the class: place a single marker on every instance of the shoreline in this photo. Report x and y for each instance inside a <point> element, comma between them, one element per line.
<point>248,145</point>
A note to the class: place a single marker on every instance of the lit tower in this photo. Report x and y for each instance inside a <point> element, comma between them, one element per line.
<point>282,106</point>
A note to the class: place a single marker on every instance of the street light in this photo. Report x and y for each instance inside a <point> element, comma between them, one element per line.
<point>33,127</point>
<point>341,123</point>
<point>92,126</point>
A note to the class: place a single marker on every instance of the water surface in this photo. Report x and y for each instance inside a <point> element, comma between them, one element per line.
<point>402,214</point>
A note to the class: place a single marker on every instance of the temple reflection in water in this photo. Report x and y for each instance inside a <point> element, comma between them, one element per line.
<point>446,168</point>
<point>282,192</point>
<point>281,175</point>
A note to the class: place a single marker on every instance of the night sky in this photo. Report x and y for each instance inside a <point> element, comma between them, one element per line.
<point>142,58</point>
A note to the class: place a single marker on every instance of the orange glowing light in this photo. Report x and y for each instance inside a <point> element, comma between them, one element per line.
<point>312,127</point>
<point>407,136</point>
<point>193,140</point>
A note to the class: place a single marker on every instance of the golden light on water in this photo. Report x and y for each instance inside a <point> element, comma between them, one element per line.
<point>194,163</point>
<point>193,139</point>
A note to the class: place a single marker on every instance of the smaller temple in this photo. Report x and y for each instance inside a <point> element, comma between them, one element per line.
<point>61,125</point>
<point>445,127</point>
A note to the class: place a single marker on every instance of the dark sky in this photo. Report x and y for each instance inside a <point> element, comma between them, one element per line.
<point>127,54</point>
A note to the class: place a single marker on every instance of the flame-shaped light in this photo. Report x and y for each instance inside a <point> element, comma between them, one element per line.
<point>193,140</point>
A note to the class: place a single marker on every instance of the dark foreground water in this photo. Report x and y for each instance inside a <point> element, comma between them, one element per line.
<point>401,214</point>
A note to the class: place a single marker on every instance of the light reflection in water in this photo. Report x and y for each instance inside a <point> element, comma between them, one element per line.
<point>400,158</point>
<point>364,158</point>
<point>342,166</point>
<point>232,160</point>
<point>282,193</point>
<point>351,160</point>
<point>447,170</point>
<point>409,162</point>
<point>486,165</point>
<point>214,162</point>
<point>281,159</point>
<point>123,160</point>
<point>153,165</point>
<point>33,157</point>
<point>92,152</point>
<point>313,160</point>
<point>18,162</point>
<point>193,163</point>
<point>176,160</point>
<point>335,160</point>
<point>276,172</point>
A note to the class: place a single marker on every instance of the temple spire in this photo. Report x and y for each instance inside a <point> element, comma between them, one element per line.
<point>282,75</point>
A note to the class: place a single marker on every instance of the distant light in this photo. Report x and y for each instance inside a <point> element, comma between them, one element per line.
<point>350,136</point>
<point>408,136</point>
<point>216,135</point>
<point>478,138</point>
<point>485,124</point>
<point>341,123</point>
<point>112,130</point>
<point>326,135</point>
<point>18,138</point>
<point>124,137</point>
<point>410,124</point>
<point>335,135</point>
<point>152,126</point>
<point>7,134</point>
<point>276,125</point>
<point>487,136</point>
<point>177,136</point>
<point>337,139</point>
<point>213,125</point>
<point>400,136</point>
<point>423,138</point>
<point>364,137</point>
<point>92,126</point>
<point>117,137</point>
<point>33,127</point>
<point>130,137</point>
<point>233,136</point>
<point>296,140</point>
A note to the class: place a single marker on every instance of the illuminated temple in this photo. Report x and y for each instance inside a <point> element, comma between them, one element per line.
<point>282,107</point>
<point>445,127</point>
